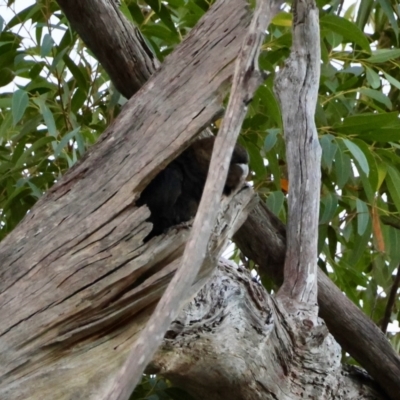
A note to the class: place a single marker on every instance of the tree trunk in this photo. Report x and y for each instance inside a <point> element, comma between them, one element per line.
<point>234,341</point>
<point>262,237</point>
<point>77,284</point>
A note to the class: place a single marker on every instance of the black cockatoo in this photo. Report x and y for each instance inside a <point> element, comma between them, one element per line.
<point>174,194</point>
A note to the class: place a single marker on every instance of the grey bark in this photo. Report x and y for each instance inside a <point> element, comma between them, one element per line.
<point>296,87</point>
<point>233,341</point>
<point>263,236</point>
<point>117,44</point>
<point>97,315</point>
<point>77,283</point>
<point>246,80</point>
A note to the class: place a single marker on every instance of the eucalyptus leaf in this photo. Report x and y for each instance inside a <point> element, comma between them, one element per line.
<point>20,101</point>
<point>358,155</point>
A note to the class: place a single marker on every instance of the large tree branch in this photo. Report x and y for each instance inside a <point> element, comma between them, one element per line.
<point>296,87</point>
<point>117,44</point>
<point>77,283</point>
<point>246,80</point>
<point>261,238</point>
<point>243,349</point>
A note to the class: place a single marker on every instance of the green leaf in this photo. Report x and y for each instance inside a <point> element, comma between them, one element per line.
<point>342,168</point>
<point>126,11</point>
<point>383,55</point>
<point>392,242</point>
<point>358,155</point>
<point>5,126</point>
<point>270,139</point>
<point>382,135</point>
<point>283,19</point>
<point>47,116</point>
<point>64,141</point>
<point>6,76</point>
<point>76,72</point>
<point>360,244</point>
<point>328,209</point>
<point>36,192</point>
<point>256,161</point>
<point>136,13</point>
<point>329,148</point>
<point>373,78</point>
<point>24,15</point>
<point>162,11</point>
<point>364,12</point>
<point>13,195</point>
<point>387,8</point>
<point>347,29</point>
<point>47,44</point>
<point>378,96</point>
<point>35,146</point>
<point>368,122</point>
<point>20,101</point>
<point>362,216</point>
<point>393,184</point>
<point>392,80</point>
<point>373,177</point>
<point>275,201</point>
<point>269,101</point>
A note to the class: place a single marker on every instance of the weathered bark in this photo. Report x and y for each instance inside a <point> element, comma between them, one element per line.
<point>247,78</point>
<point>28,336</point>
<point>77,283</point>
<point>117,44</point>
<point>233,342</point>
<point>296,87</point>
<point>263,239</point>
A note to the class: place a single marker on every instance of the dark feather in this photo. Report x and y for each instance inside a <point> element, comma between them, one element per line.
<point>174,194</point>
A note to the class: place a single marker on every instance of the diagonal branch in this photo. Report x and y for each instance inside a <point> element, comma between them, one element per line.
<point>246,79</point>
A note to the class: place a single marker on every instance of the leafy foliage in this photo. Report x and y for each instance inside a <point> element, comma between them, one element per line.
<point>55,100</point>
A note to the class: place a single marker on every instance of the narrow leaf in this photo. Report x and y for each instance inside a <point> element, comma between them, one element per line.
<point>270,139</point>
<point>378,96</point>
<point>330,203</point>
<point>275,201</point>
<point>393,184</point>
<point>368,122</point>
<point>342,167</point>
<point>358,155</point>
<point>347,29</point>
<point>373,78</point>
<point>47,44</point>
<point>20,101</point>
<point>383,55</point>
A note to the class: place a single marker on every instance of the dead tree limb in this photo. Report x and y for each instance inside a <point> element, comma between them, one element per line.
<point>246,80</point>
<point>231,342</point>
<point>77,283</point>
<point>262,238</point>
<point>296,87</point>
<point>114,40</point>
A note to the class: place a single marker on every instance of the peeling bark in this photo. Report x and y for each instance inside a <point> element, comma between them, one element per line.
<point>233,342</point>
<point>77,283</point>
<point>262,238</point>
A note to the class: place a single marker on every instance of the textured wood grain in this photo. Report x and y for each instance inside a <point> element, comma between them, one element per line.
<point>74,287</point>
